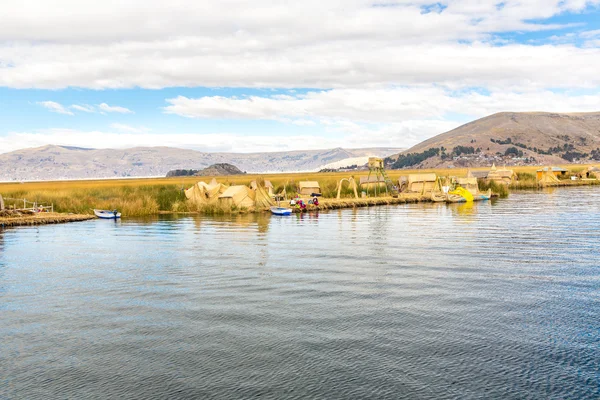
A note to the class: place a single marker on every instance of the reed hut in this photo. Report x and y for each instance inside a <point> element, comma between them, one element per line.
<point>238,196</point>
<point>371,182</point>
<point>547,177</point>
<point>307,188</point>
<point>262,197</point>
<point>267,185</point>
<point>589,173</point>
<point>423,183</point>
<point>203,193</point>
<point>1,203</point>
<point>503,176</point>
<point>469,183</point>
<point>558,172</point>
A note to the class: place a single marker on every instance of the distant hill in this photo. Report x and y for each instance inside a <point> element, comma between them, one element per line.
<point>63,162</point>
<point>510,137</point>
<point>213,170</point>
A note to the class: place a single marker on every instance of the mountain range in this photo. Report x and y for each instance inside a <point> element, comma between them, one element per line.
<point>63,162</point>
<point>512,138</point>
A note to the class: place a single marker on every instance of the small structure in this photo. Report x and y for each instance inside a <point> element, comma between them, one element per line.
<point>238,196</point>
<point>589,173</point>
<point>263,198</point>
<point>547,178</point>
<point>370,182</point>
<point>268,187</point>
<point>504,176</point>
<point>1,203</point>
<point>423,183</point>
<point>307,188</point>
<point>556,171</point>
<point>203,193</point>
<point>378,178</point>
<point>469,183</point>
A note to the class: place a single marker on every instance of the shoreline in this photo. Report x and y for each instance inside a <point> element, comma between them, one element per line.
<point>74,200</point>
<point>324,205</point>
<point>42,219</point>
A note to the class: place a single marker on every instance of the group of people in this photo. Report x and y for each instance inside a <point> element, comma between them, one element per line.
<point>299,203</point>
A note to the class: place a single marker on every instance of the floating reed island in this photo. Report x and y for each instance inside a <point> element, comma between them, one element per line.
<point>10,219</point>
<point>75,200</point>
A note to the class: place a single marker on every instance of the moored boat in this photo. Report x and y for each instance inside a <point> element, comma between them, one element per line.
<point>107,214</point>
<point>281,211</point>
<point>438,197</point>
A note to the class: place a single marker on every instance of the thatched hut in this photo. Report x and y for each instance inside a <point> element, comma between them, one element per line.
<point>263,198</point>
<point>547,177</point>
<point>308,188</point>
<point>589,173</point>
<point>1,203</point>
<point>267,185</point>
<point>556,171</point>
<point>238,196</point>
<point>469,183</point>
<point>504,176</point>
<point>371,182</point>
<point>203,193</point>
<point>423,183</point>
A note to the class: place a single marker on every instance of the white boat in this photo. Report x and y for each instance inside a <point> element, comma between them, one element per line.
<point>107,214</point>
<point>281,210</point>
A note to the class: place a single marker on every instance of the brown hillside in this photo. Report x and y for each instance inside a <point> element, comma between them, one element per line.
<point>580,132</point>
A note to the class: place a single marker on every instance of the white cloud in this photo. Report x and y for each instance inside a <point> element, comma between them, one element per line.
<point>116,109</point>
<point>302,44</point>
<point>55,107</point>
<point>590,34</point>
<point>392,105</point>
<point>83,107</point>
<point>129,128</point>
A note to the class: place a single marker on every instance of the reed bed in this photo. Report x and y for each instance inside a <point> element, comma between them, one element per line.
<point>497,188</point>
<point>151,196</point>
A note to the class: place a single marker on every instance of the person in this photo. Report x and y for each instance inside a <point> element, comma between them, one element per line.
<point>316,201</point>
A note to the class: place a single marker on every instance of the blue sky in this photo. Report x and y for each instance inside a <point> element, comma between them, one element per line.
<point>266,77</point>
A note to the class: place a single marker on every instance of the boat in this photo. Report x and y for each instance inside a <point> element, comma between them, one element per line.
<point>107,214</point>
<point>438,197</point>
<point>281,211</point>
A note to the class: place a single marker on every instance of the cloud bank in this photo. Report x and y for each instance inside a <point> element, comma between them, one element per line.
<point>303,44</point>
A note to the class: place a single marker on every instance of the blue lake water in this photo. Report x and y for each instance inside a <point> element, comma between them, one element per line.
<point>495,300</point>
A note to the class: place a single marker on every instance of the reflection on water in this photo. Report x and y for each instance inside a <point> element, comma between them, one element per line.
<point>487,300</point>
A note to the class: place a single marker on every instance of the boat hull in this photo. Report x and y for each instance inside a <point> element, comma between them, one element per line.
<point>281,211</point>
<point>106,214</point>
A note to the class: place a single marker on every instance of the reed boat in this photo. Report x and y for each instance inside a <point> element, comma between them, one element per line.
<point>107,214</point>
<point>438,197</point>
<point>281,211</point>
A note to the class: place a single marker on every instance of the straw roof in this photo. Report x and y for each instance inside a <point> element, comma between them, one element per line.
<point>238,195</point>
<point>421,178</point>
<point>423,183</point>
<point>309,187</point>
<point>553,169</point>
<point>267,184</point>
<point>203,193</point>
<point>262,195</point>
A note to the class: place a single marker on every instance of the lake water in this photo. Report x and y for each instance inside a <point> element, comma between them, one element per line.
<point>498,300</point>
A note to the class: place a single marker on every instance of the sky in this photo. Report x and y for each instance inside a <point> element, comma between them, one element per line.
<point>240,76</point>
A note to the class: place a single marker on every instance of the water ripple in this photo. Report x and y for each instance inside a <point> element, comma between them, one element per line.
<point>492,300</point>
